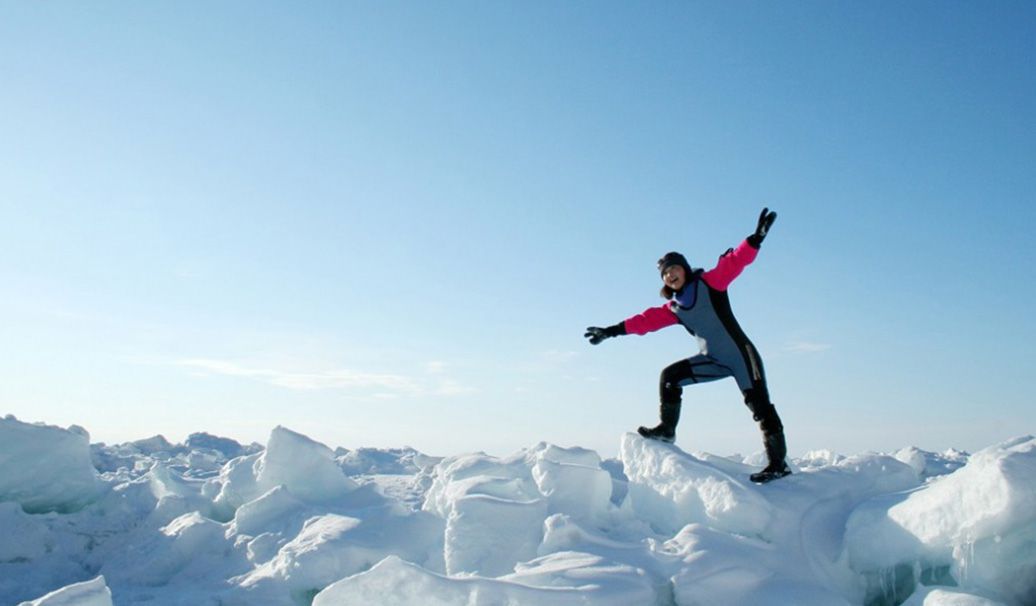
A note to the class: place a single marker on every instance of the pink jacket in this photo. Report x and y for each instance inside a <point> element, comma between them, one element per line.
<point>730,266</point>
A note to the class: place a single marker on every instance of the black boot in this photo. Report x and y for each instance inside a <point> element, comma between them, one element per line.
<point>776,451</point>
<point>666,430</point>
<point>773,437</point>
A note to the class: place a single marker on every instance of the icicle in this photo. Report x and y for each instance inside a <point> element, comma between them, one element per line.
<point>964,558</point>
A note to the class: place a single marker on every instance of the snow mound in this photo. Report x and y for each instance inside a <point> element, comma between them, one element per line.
<point>495,508</point>
<point>672,489</point>
<point>930,464</point>
<point>332,546</point>
<point>202,455</point>
<point>25,538</point>
<point>45,468</point>
<point>89,593</point>
<point>225,447</point>
<point>396,461</point>
<point>306,468</point>
<point>294,524</point>
<point>975,527</point>
<point>265,513</point>
<point>189,547</point>
<point>394,582</point>
<point>947,597</point>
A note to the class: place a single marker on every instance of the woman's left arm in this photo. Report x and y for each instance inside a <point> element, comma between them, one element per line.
<point>734,261</point>
<point>730,265</point>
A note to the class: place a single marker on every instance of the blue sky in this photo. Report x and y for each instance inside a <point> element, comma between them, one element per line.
<point>389,223</point>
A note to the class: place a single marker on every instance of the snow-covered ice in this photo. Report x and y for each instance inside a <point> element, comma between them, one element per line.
<point>45,468</point>
<point>294,523</point>
<point>87,593</point>
<point>979,528</point>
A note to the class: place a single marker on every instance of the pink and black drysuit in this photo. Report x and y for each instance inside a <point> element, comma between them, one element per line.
<point>703,308</point>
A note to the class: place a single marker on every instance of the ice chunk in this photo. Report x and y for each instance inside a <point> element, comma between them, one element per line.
<point>931,464</point>
<point>259,515</point>
<point>237,482</point>
<point>611,582</point>
<point>717,567</point>
<point>153,445</point>
<point>397,461</point>
<point>394,582</point>
<point>573,456</point>
<point>189,548</point>
<point>317,556</point>
<point>575,489</point>
<point>45,468</point>
<point>495,508</point>
<point>819,458</point>
<point>510,477</point>
<point>670,489</point>
<point>478,473</point>
<point>89,593</point>
<point>305,467</point>
<point>942,596</point>
<point>174,495</point>
<point>227,447</point>
<point>620,483</point>
<point>486,535</point>
<point>201,455</point>
<point>979,520</point>
<point>562,533</point>
<point>332,546</point>
<point>780,591</point>
<point>25,537</point>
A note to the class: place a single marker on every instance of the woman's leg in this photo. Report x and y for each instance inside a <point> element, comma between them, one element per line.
<point>758,400</point>
<point>698,369</point>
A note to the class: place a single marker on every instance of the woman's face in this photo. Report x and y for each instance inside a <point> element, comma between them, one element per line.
<point>674,277</point>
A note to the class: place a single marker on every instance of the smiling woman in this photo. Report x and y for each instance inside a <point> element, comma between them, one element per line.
<point>675,269</point>
<point>698,300</point>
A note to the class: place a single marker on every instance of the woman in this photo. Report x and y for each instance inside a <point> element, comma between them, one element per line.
<point>698,300</point>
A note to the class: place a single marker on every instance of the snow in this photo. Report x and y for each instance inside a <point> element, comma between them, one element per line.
<point>87,593</point>
<point>296,523</point>
<point>947,597</point>
<point>979,522</point>
<point>305,467</point>
<point>671,490</point>
<point>394,582</point>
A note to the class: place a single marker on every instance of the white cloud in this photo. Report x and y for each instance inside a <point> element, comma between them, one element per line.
<point>558,357</point>
<point>386,384</point>
<point>450,387</point>
<point>435,367</point>
<point>185,272</point>
<point>806,347</point>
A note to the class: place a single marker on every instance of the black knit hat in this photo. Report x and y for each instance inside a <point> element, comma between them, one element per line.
<point>673,258</point>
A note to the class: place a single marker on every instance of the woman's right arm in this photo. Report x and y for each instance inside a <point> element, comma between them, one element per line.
<point>651,320</point>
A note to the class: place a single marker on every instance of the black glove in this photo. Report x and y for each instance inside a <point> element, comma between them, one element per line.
<point>766,219</point>
<point>597,334</point>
